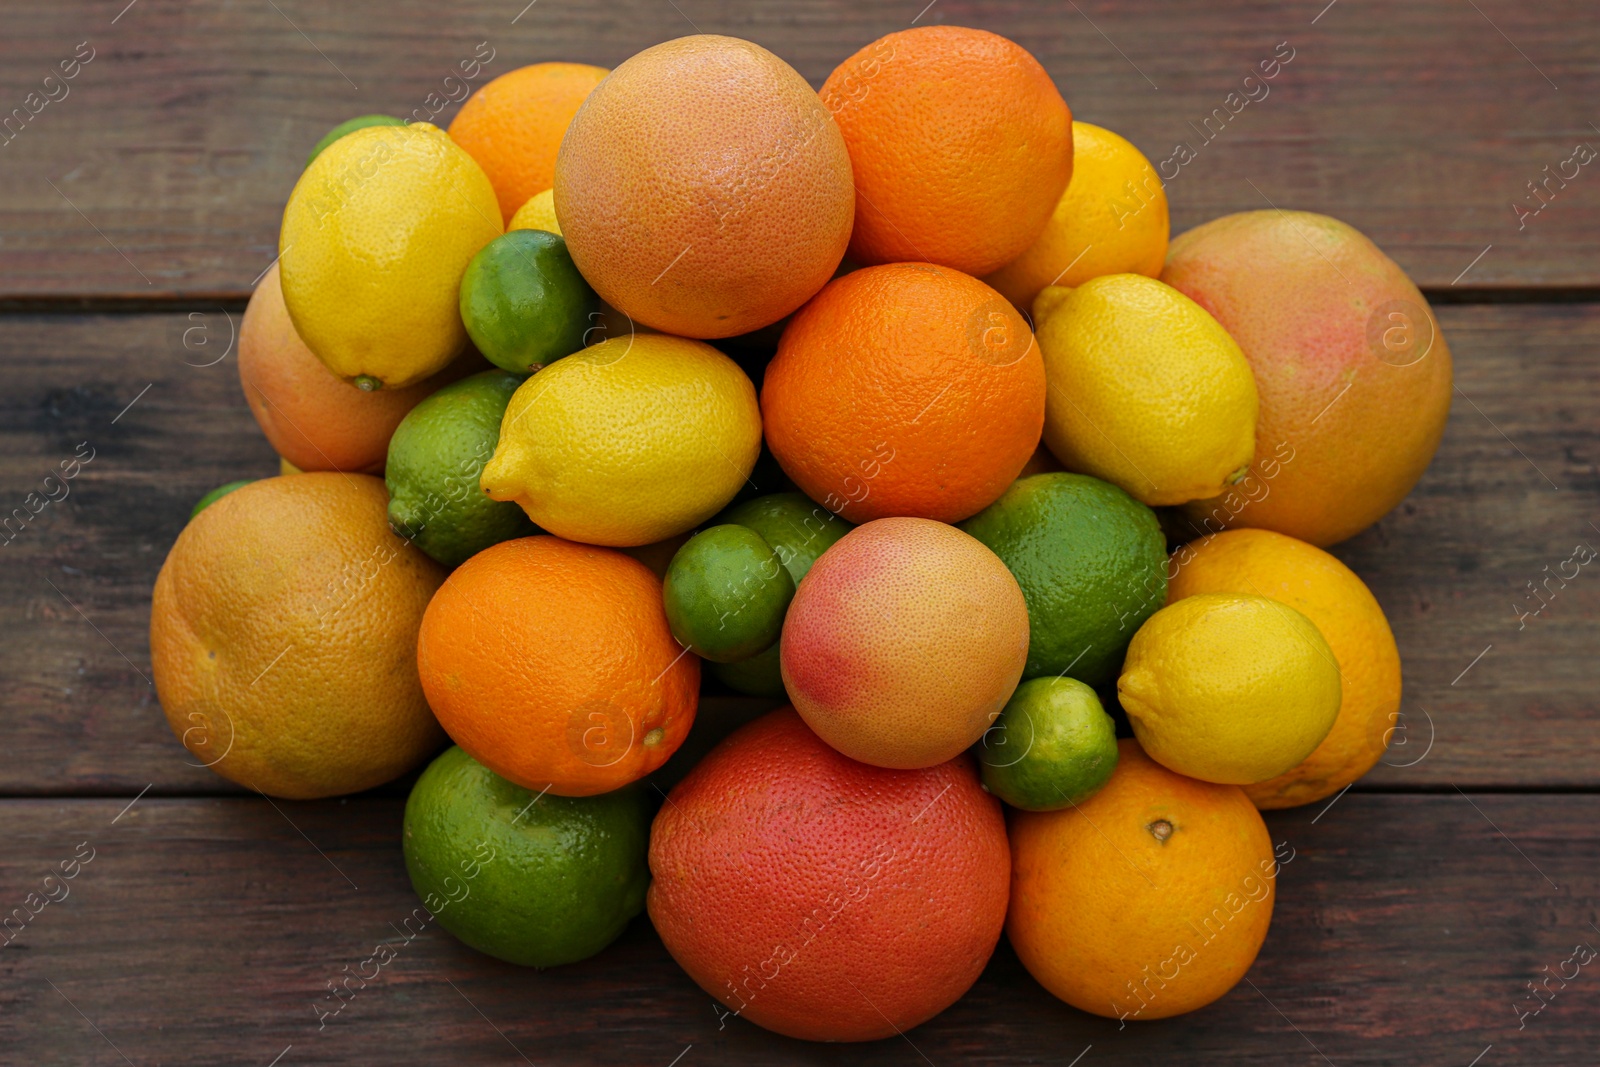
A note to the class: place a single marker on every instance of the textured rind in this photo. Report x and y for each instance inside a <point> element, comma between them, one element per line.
<point>823,898</point>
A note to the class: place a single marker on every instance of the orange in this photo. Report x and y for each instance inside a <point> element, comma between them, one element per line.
<point>960,144</point>
<point>283,634</point>
<point>1111,220</point>
<point>551,663</point>
<point>1149,899</point>
<point>906,389</point>
<point>314,419</point>
<point>823,898</point>
<point>903,642</point>
<point>1353,374</point>
<point>1263,563</point>
<point>513,126</point>
<point>703,190</point>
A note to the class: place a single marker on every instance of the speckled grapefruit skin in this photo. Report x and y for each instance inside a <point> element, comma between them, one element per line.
<point>903,642</point>
<point>1352,370</point>
<point>823,898</point>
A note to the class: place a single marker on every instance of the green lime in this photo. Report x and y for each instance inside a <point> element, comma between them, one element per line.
<point>435,457</point>
<point>217,494</point>
<point>758,676</point>
<point>1052,746</point>
<point>798,529</point>
<point>351,126</point>
<point>529,878</point>
<point>1092,564</point>
<point>524,302</point>
<point>726,592</point>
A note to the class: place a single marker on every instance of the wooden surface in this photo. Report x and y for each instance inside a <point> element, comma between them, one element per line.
<point>204,930</point>
<point>1418,121</point>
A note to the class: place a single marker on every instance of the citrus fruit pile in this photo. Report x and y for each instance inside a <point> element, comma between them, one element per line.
<point>1035,562</point>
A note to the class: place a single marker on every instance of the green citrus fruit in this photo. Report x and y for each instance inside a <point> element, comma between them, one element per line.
<point>524,303</point>
<point>759,676</point>
<point>435,457</point>
<point>529,878</point>
<point>1052,746</point>
<point>1092,563</point>
<point>726,592</point>
<point>350,126</point>
<point>217,494</point>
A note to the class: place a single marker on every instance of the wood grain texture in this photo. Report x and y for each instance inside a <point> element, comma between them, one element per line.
<point>206,931</point>
<point>1448,565</point>
<point>163,169</point>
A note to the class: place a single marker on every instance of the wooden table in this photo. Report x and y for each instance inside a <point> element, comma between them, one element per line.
<point>136,211</point>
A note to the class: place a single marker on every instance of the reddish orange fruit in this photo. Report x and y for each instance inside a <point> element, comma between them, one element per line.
<point>906,389</point>
<point>960,143</point>
<point>513,126</point>
<point>551,663</point>
<point>703,190</point>
<point>823,898</point>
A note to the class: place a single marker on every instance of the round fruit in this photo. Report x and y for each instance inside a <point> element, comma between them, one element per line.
<point>1229,688</point>
<point>217,494</point>
<point>539,213</point>
<point>1149,900</point>
<point>351,126</point>
<point>1146,390</point>
<point>311,417</point>
<point>1052,747</point>
<point>1354,373</point>
<point>822,898</point>
<point>1092,564</point>
<point>703,188</point>
<point>629,441</point>
<point>524,303</point>
<point>1349,619</point>
<point>374,241</point>
<point>283,634</point>
<point>435,459</point>
<point>960,144</point>
<point>513,126</point>
<point>904,642</point>
<point>552,664</point>
<point>529,879</point>
<point>1111,220</point>
<point>726,592</point>
<point>905,390</point>
<point>759,676</point>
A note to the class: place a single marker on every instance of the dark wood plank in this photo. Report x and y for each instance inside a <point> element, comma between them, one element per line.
<point>205,931</point>
<point>1447,565</point>
<point>165,167</point>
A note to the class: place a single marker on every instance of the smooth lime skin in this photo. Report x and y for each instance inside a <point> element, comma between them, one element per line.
<point>529,879</point>
<point>726,592</point>
<point>524,303</point>
<point>351,126</point>
<point>799,530</point>
<point>1092,564</point>
<point>1053,746</point>
<point>435,457</point>
<point>217,494</point>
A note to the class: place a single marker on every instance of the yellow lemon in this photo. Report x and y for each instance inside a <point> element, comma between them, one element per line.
<point>539,213</point>
<point>1111,220</point>
<point>375,238</point>
<point>628,442</point>
<point>1347,615</point>
<point>1229,688</point>
<point>1144,389</point>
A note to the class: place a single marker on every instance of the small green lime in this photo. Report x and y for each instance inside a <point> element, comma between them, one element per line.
<point>351,126</point>
<point>1092,564</point>
<point>758,676</point>
<point>726,592</point>
<point>798,529</point>
<point>217,494</point>
<point>524,302</point>
<point>435,457</point>
<point>1052,746</point>
<point>529,878</point>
